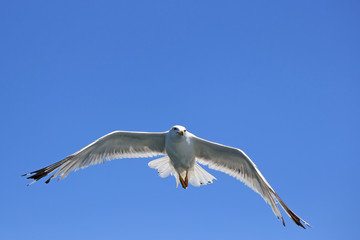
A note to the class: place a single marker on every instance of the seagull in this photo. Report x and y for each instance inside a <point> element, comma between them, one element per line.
<point>181,153</point>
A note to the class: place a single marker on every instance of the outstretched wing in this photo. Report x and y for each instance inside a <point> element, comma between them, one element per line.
<point>236,163</point>
<point>114,145</point>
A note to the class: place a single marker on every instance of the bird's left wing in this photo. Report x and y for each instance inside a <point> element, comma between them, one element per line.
<point>114,145</point>
<point>236,163</point>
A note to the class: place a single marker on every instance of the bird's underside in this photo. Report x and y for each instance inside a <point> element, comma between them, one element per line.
<point>122,144</point>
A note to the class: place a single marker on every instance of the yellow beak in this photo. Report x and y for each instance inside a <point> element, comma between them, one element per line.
<point>181,133</point>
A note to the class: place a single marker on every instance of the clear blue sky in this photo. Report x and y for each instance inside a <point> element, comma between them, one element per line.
<point>278,79</point>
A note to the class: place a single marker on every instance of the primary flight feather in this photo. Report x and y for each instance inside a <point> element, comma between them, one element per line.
<point>181,151</point>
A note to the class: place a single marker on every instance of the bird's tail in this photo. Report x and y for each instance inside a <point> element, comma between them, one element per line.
<point>164,168</point>
<point>197,175</point>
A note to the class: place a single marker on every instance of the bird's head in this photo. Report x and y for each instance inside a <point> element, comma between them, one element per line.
<point>178,130</point>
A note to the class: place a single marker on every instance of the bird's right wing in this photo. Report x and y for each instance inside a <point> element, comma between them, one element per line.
<point>236,163</point>
<point>114,145</point>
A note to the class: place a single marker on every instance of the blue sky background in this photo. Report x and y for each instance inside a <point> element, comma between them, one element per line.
<point>278,79</point>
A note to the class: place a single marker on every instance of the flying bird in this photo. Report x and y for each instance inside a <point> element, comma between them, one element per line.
<point>181,152</point>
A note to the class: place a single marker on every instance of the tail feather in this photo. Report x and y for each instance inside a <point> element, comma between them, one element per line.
<point>164,168</point>
<point>197,175</point>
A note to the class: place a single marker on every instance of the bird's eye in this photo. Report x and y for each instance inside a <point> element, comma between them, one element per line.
<point>185,130</point>
<point>175,129</point>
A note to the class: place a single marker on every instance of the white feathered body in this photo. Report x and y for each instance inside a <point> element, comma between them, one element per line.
<point>181,158</point>
<point>180,150</point>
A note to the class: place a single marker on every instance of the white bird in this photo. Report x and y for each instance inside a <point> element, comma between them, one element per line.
<point>182,152</point>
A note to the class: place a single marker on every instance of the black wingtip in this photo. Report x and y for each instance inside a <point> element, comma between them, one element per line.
<point>47,181</point>
<point>297,220</point>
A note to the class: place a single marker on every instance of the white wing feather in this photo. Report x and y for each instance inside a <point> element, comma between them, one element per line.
<point>236,163</point>
<point>114,145</point>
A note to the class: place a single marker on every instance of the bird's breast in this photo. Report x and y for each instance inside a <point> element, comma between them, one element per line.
<point>181,153</point>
